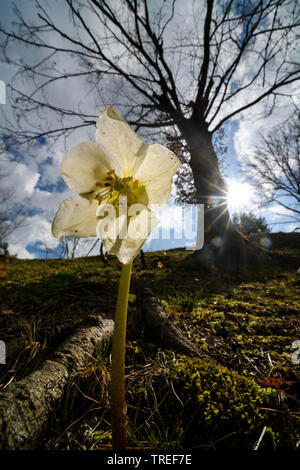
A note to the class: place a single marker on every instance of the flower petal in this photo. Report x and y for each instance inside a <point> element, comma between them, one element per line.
<point>76,217</point>
<point>139,227</point>
<point>116,135</point>
<point>85,165</point>
<point>156,171</point>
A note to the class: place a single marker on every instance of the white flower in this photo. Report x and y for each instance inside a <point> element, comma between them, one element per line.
<point>118,165</point>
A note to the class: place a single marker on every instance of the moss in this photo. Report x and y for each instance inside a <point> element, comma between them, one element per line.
<point>172,310</point>
<point>211,402</point>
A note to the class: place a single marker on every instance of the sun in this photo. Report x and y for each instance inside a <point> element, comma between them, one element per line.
<point>239,196</point>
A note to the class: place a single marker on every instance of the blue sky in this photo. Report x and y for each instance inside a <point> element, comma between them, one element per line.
<point>35,179</point>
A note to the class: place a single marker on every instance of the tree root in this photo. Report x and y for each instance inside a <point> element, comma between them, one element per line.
<point>26,406</point>
<point>160,328</point>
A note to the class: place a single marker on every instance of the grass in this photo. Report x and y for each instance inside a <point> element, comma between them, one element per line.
<point>247,322</point>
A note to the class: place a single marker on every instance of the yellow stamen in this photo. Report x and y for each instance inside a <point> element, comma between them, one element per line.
<point>113,187</point>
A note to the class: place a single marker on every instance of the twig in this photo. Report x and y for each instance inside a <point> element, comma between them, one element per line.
<point>256,447</point>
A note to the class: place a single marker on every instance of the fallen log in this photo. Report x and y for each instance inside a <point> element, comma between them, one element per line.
<point>27,405</point>
<point>160,328</point>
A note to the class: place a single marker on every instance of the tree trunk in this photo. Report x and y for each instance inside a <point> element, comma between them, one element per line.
<point>223,245</point>
<point>210,185</point>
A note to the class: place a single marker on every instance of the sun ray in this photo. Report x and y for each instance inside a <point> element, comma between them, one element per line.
<point>217,218</point>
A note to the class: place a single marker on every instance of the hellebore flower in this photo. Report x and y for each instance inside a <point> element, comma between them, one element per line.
<point>118,167</point>
<point>124,178</point>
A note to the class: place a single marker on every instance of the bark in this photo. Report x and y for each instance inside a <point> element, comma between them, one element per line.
<point>161,329</point>
<point>26,406</point>
<point>209,183</point>
<point>223,245</point>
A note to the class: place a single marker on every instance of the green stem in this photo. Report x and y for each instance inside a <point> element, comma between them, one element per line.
<point>118,405</point>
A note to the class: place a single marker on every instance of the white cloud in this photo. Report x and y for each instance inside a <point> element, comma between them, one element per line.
<point>291,227</point>
<point>34,229</point>
<point>49,201</point>
<point>277,209</point>
<point>22,180</point>
<point>19,178</point>
<point>249,130</point>
<point>18,250</point>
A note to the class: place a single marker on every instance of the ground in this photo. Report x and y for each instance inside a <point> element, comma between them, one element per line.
<point>246,321</point>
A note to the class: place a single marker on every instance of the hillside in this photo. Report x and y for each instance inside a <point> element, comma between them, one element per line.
<point>246,322</point>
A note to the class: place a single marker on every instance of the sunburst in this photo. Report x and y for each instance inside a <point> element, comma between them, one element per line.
<point>239,196</point>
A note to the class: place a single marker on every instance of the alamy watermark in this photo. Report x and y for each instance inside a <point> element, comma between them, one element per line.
<point>2,352</point>
<point>2,92</point>
<point>137,221</point>
<point>296,354</point>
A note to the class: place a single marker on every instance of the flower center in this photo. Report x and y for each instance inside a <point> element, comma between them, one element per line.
<point>114,187</point>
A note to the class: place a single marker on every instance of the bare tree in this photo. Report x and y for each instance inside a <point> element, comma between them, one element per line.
<point>274,165</point>
<point>11,215</point>
<point>166,70</point>
<point>69,248</point>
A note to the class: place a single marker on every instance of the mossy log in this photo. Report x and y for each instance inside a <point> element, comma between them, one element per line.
<point>27,405</point>
<point>161,329</point>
